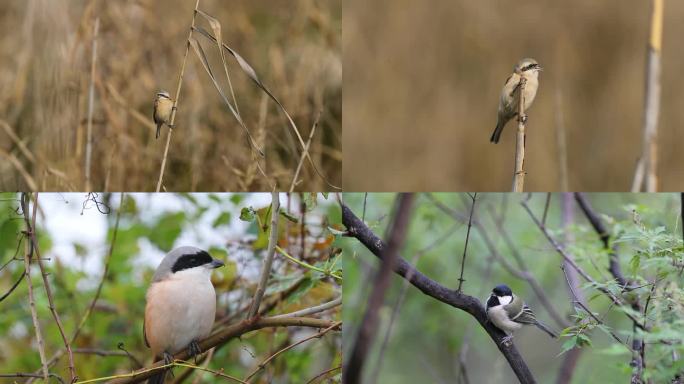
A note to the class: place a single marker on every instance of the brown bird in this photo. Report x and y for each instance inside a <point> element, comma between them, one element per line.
<point>162,110</point>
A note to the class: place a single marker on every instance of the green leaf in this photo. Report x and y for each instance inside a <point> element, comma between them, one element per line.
<point>222,219</point>
<point>247,214</point>
<point>568,345</point>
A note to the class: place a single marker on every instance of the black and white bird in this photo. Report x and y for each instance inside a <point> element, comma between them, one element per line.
<point>509,312</point>
<point>181,304</point>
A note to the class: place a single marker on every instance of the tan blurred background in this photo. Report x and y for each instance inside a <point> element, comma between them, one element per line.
<point>423,80</point>
<point>45,61</point>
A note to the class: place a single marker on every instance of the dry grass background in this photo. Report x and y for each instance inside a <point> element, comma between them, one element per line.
<point>424,78</point>
<point>45,47</point>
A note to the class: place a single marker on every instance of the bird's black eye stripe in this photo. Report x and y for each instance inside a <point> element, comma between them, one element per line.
<point>528,67</point>
<point>191,260</point>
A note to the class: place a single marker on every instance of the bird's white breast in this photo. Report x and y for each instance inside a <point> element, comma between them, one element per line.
<point>180,309</point>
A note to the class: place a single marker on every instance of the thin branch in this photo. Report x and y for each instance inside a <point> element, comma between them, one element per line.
<point>358,229</point>
<point>312,310</point>
<point>48,289</point>
<point>400,300</point>
<point>302,341</point>
<point>226,334</point>
<point>32,375</point>
<point>172,119</point>
<point>519,171</point>
<point>32,303</point>
<point>266,269</point>
<point>323,374</point>
<point>304,152</point>
<point>353,367</point>
<point>465,247</point>
<point>104,273</point>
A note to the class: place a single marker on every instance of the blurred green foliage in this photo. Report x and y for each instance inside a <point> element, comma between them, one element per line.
<point>427,336</point>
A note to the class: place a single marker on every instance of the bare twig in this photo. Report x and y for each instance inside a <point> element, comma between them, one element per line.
<point>519,171</point>
<point>304,152</point>
<point>312,310</point>
<point>30,182</point>
<point>323,374</point>
<point>32,303</point>
<point>172,119</point>
<point>104,273</point>
<point>48,289</point>
<point>465,247</point>
<point>400,300</point>
<point>353,366</point>
<point>91,106</point>
<point>266,269</point>
<point>304,340</point>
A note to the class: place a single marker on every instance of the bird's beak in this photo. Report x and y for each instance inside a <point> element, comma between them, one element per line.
<point>217,263</point>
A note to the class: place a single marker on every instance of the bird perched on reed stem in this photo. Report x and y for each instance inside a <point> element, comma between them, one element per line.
<point>162,110</point>
<point>510,95</point>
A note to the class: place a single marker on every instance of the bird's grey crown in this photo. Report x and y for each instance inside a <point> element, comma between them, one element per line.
<point>166,267</point>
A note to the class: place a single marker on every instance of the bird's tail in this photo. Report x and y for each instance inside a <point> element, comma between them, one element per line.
<point>158,129</point>
<point>546,329</point>
<point>497,132</point>
<point>157,378</point>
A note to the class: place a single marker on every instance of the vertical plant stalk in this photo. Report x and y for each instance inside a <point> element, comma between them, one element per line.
<point>465,247</point>
<point>519,172</point>
<point>48,289</point>
<point>32,301</point>
<point>648,164</point>
<point>571,357</point>
<point>266,269</point>
<point>352,370</point>
<point>91,103</point>
<point>303,156</point>
<point>175,99</point>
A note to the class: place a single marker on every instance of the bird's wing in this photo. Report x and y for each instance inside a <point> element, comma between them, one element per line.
<point>526,316</point>
<point>154,111</point>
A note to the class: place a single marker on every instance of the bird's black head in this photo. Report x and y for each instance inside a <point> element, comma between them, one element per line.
<point>502,290</point>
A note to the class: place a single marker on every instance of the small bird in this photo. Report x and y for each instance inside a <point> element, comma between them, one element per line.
<point>510,97</point>
<point>181,304</point>
<point>509,313</point>
<point>162,110</point>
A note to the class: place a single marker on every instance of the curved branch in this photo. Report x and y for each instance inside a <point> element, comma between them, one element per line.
<point>358,229</point>
<point>227,334</point>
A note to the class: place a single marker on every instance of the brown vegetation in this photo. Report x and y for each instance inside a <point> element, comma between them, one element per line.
<point>45,51</point>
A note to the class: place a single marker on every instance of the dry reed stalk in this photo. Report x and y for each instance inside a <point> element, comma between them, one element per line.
<point>175,99</point>
<point>91,101</point>
<point>266,268</point>
<point>519,172</point>
<point>20,168</point>
<point>645,176</point>
<point>306,150</point>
